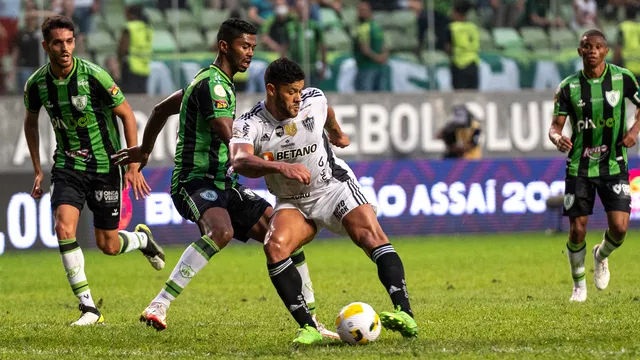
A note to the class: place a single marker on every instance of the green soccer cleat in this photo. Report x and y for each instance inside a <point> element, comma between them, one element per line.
<point>153,252</point>
<point>307,336</point>
<point>400,321</point>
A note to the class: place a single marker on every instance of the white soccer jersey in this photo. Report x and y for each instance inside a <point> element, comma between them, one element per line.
<point>296,140</point>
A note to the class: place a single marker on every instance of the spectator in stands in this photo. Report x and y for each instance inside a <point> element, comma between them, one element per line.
<point>369,51</point>
<point>235,11</point>
<point>463,47</point>
<point>135,50</point>
<point>507,12</point>
<point>9,16</point>
<point>461,135</point>
<point>585,14</point>
<point>274,29</point>
<point>535,14</point>
<point>169,4</point>
<point>442,10</point>
<point>627,52</point>
<point>259,11</point>
<point>26,50</point>
<point>305,43</point>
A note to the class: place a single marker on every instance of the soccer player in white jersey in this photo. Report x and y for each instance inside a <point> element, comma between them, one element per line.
<point>283,139</point>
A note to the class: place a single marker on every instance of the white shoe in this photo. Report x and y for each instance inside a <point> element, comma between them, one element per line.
<point>323,330</point>
<point>601,274</point>
<point>90,316</point>
<point>579,294</point>
<point>155,315</point>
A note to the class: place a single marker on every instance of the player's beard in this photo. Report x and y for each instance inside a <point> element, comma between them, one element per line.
<point>283,109</point>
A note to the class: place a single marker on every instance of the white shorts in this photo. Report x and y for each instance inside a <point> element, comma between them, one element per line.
<point>328,207</point>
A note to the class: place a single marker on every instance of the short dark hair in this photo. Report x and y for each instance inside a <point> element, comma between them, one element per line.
<point>56,22</point>
<point>593,32</point>
<point>234,28</point>
<point>631,11</point>
<point>462,6</point>
<point>283,71</point>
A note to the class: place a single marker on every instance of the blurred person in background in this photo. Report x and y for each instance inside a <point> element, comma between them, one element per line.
<point>627,52</point>
<point>112,65</point>
<point>585,14</point>
<point>536,15</point>
<point>463,47</point>
<point>442,10</point>
<point>259,11</point>
<point>9,16</point>
<point>135,50</point>
<point>26,50</point>
<point>507,12</point>
<point>369,51</point>
<point>82,15</point>
<point>461,135</point>
<point>274,29</point>
<point>305,43</point>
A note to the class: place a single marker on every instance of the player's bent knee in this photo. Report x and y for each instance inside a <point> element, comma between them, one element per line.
<point>618,230</point>
<point>65,231</point>
<point>221,236</point>
<point>276,248</point>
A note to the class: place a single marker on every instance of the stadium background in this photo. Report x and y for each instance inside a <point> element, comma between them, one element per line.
<point>394,148</point>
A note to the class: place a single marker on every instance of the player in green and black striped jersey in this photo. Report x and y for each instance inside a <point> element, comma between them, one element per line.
<point>594,100</point>
<point>82,102</point>
<point>203,187</point>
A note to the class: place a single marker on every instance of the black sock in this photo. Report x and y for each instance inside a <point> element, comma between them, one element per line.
<point>288,283</point>
<point>391,274</point>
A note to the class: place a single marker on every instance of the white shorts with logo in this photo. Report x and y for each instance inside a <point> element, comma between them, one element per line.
<point>328,206</point>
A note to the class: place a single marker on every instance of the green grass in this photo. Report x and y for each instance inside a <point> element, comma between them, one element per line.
<point>496,296</point>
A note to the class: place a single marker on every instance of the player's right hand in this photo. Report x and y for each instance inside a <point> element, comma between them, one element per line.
<point>564,144</point>
<point>296,172</point>
<point>132,155</point>
<point>36,192</point>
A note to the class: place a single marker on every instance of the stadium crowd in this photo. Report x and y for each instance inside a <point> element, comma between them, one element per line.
<point>124,35</point>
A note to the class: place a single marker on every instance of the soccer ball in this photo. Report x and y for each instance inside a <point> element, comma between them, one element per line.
<point>358,323</point>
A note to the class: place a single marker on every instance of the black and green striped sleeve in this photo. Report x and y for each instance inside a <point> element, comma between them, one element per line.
<point>107,90</point>
<point>631,88</point>
<point>561,101</point>
<point>32,97</point>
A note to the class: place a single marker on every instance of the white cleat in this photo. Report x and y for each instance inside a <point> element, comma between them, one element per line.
<point>601,274</point>
<point>155,315</point>
<point>90,316</point>
<point>579,294</point>
<point>323,330</point>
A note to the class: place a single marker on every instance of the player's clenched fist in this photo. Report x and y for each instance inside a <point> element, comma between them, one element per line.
<point>296,172</point>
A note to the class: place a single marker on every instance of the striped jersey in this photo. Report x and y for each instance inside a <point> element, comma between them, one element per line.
<point>597,111</point>
<point>80,109</point>
<point>295,140</point>
<point>200,152</point>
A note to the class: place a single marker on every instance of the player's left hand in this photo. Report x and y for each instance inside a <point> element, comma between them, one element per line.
<point>629,139</point>
<point>341,140</point>
<point>134,177</point>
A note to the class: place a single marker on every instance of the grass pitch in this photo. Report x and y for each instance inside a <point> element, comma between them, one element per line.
<point>498,296</point>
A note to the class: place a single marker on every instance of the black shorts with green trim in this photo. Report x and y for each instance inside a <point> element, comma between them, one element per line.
<point>580,194</point>
<point>245,207</point>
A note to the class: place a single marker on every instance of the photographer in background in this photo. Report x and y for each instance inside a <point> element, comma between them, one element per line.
<point>461,135</point>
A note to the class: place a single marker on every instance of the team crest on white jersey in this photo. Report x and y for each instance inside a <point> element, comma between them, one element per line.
<point>309,123</point>
<point>613,97</point>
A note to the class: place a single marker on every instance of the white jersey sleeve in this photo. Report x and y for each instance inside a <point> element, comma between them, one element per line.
<point>246,129</point>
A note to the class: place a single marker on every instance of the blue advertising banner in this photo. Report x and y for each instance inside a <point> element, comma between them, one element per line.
<point>421,197</point>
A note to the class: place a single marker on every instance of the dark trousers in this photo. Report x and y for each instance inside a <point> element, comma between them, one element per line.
<point>132,83</point>
<point>466,78</point>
